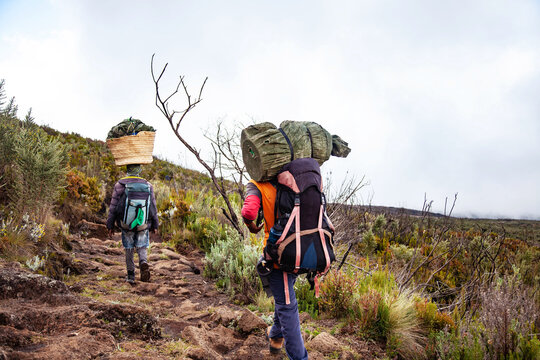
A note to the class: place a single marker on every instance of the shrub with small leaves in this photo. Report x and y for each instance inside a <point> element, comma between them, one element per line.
<point>233,263</point>
<point>35,263</point>
<point>337,294</point>
<point>508,312</point>
<point>432,319</point>
<point>32,167</point>
<point>83,189</point>
<point>305,296</point>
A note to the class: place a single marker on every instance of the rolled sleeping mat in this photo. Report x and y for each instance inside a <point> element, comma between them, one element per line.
<point>266,149</point>
<point>313,140</point>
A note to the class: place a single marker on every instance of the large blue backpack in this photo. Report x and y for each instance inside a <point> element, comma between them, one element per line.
<point>135,206</point>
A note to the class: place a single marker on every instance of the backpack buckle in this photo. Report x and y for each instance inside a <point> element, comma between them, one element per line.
<point>296,200</point>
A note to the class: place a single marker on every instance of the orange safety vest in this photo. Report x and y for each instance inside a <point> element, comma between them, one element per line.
<point>268,195</point>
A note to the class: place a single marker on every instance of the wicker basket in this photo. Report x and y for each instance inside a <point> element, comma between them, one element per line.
<point>133,149</point>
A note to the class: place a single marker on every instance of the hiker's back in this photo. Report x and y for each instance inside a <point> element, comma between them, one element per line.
<point>134,205</point>
<point>301,239</point>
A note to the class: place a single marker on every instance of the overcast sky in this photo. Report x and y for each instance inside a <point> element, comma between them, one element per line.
<point>434,97</point>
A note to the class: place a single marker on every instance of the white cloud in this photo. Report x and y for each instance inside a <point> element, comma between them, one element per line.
<point>44,73</point>
<point>433,97</point>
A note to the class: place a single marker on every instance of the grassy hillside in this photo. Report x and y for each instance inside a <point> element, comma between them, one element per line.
<point>420,286</point>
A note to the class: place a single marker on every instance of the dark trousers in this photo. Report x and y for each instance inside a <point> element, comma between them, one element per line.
<point>286,319</point>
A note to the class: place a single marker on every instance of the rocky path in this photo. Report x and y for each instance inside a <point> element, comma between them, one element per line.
<point>94,314</point>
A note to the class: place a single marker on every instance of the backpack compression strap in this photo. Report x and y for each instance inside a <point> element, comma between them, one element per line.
<point>287,179</point>
<point>323,240</point>
<point>295,214</point>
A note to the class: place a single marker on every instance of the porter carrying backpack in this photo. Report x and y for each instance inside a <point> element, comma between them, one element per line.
<point>301,240</point>
<point>135,206</point>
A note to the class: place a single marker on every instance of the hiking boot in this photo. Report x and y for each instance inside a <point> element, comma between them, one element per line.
<point>274,344</point>
<point>130,277</point>
<point>145,272</point>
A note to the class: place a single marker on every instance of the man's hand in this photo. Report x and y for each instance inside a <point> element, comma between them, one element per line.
<point>111,233</point>
<point>253,228</point>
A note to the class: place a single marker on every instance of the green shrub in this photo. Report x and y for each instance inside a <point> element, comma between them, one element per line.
<point>206,232</point>
<point>307,301</point>
<point>379,225</point>
<point>82,189</point>
<point>528,348</point>
<point>20,239</point>
<point>15,241</point>
<point>173,210</point>
<point>263,303</point>
<point>452,345</point>
<point>368,244</point>
<point>337,293</point>
<point>432,319</point>
<point>233,263</point>
<point>367,309</point>
<point>32,167</point>
<point>382,325</point>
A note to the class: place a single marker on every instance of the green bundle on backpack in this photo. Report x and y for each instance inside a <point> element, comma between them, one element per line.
<point>266,148</point>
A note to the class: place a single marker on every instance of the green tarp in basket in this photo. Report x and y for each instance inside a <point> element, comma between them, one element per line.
<point>131,142</point>
<point>128,127</point>
<point>265,148</point>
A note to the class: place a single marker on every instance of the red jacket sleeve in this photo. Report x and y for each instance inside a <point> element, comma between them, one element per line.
<point>251,208</point>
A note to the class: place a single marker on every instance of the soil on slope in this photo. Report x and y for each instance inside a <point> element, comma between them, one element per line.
<point>96,314</point>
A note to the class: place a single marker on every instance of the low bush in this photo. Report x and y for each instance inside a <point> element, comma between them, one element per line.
<point>263,303</point>
<point>83,190</point>
<point>305,296</point>
<point>470,344</point>
<point>508,313</point>
<point>173,211</point>
<point>232,263</point>
<point>206,231</point>
<point>373,303</point>
<point>337,294</point>
<point>431,318</point>
<point>17,240</point>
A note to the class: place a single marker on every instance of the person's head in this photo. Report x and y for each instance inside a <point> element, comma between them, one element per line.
<point>133,169</point>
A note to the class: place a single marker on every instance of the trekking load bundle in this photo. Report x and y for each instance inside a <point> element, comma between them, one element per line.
<point>266,149</point>
<point>301,240</point>
<point>131,142</point>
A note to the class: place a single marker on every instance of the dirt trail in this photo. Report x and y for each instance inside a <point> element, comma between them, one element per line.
<point>96,314</point>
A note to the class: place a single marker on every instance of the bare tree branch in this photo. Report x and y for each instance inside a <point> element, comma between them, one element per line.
<point>175,122</point>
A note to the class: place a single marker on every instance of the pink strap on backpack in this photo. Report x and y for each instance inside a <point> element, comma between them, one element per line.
<point>323,240</point>
<point>286,285</point>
